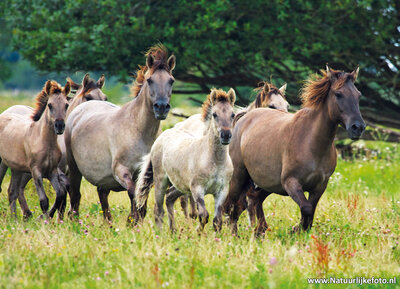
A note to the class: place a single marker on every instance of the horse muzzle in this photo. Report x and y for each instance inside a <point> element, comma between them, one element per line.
<point>59,126</point>
<point>161,109</point>
<point>225,137</point>
<point>356,129</point>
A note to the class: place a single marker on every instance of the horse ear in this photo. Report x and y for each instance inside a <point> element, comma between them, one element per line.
<point>101,81</point>
<point>85,79</point>
<point>232,95</point>
<point>266,87</point>
<point>149,61</point>
<point>328,71</point>
<point>355,73</point>
<point>213,96</point>
<point>67,88</point>
<point>47,87</point>
<point>171,62</point>
<point>73,84</point>
<point>282,90</point>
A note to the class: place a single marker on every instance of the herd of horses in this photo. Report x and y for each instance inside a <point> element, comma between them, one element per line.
<point>240,156</point>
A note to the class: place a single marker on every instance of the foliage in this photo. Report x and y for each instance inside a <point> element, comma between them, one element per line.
<point>219,43</point>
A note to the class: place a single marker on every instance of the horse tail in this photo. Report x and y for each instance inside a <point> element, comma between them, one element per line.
<point>144,182</point>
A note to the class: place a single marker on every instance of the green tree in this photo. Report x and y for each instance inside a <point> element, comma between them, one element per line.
<point>221,43</point>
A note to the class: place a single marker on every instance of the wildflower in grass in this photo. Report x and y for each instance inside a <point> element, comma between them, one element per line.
<point>273,261</point>
<point>80,222</point>
<point>101,212</point>
<point>86,232</point>
<point>61,221</point>
<point>217,239</point>
<point>46,222</point>
<point>137,231</point>
<point>106,273</point>
<point>116,229</point>
<point>98,278</point>
<point>270,271</point>
<point>157,237</point>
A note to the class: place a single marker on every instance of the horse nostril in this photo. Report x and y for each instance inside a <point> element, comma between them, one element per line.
<point>167,107</point>
<point>356,127</point>
<point>156,105</point>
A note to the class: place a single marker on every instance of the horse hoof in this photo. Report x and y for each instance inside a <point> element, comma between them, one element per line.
<point>73,215</point>
<point>27,216</point>
<point>132,220</point>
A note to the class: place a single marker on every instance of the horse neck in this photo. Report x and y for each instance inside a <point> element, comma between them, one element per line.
<point>45,130</point>
<point>217,151</point>
<point>139,115</point>
<point>251,106</point>
<point>73,104</point>
<point>322,129</point>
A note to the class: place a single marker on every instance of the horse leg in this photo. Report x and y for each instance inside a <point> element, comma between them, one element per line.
<point>64,180</point>
<point>252,196</point>
<point>3,171</point>
<point>103,196</point>
<point>238,185</point>
<point>61,195</point>
<point>219,201</point>
<point>198,195</point>
<point>124,177</point>
<point>193,210</point>
<point>184,204</point>
<point>13,192</point>
<point>307,221</point>
<point>262,223</point>
<point>172,195</point>
<point>75,178</point>
<point>44,201</point>
<point>21,196</point>
<point>296,192</point>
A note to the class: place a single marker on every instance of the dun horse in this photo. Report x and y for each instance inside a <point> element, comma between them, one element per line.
<point>267,96</point>
<point>35,150</point>
<point>290,154</point>
<point>88,90</point>
<point>105,143</point>
<point>193,164</point>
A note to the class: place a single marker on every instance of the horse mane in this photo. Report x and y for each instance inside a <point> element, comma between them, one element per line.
<point>160,56</point>
<point>221,96</point>
<point>43,97</point>
<point>316,88</point>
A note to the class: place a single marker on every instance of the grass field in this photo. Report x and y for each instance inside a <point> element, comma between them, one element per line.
<point>356,233</point>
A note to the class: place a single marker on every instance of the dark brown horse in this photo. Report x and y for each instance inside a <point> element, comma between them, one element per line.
<point>293,153</point>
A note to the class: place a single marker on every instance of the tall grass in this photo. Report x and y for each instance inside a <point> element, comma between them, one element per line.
<point>356,233</point>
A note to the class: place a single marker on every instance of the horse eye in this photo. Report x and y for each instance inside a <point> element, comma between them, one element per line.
<point>272,106</point>
<point>233,115</point>
<point>215,115</point>
<point>149,80</point>
<point>88,97</point>
<point>66,106</point>
<point>171,81</point>
<point>338,95</point>
<point>50,106</point>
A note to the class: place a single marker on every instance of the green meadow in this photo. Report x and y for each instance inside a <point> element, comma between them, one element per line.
<point>356,233</point>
